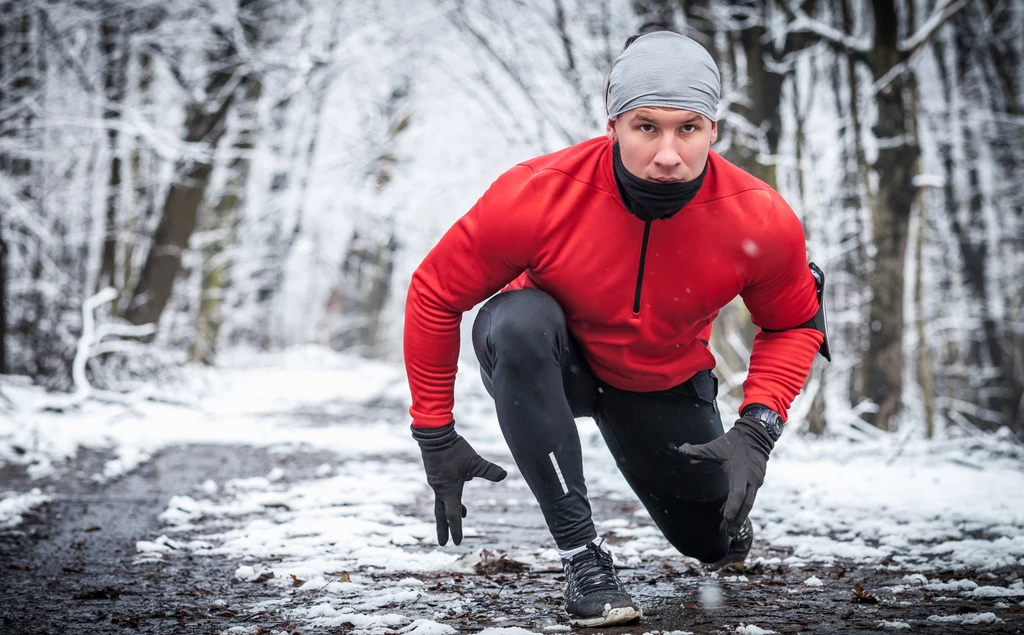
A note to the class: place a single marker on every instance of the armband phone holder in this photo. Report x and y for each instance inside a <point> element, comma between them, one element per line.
<point>820,320</point>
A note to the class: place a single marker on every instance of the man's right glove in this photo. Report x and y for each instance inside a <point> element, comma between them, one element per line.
<point>450,461</point>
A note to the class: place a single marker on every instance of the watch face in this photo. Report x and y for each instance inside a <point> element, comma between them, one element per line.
<point>771,420</point>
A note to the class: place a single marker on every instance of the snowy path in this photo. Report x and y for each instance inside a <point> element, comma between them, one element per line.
<point>291,499</point>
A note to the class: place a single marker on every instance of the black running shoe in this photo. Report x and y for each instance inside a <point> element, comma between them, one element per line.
<point>739,546</point>
<point>593,594</point>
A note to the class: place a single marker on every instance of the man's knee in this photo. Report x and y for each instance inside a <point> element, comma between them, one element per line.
<point>708,550</point>
<point>694,529</point>
<point>520,326</point>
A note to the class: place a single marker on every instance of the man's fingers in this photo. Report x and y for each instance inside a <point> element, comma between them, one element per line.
<point>454,517</point>
<point>703,452</point>
<point>441,520</point>
<point>486,470</point>
<point>464,511</point>
<point>737,494</point>
<point>744,511</point>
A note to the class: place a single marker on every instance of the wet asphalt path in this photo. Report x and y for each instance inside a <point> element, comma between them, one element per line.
<point>69,568</point>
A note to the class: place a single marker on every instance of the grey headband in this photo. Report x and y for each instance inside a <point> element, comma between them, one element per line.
<point>664,69</point>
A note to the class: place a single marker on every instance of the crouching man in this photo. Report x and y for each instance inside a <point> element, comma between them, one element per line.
<point>613,257</point>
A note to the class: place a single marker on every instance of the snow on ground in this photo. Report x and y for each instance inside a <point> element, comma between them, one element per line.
<point>251,400</point>
<point>13,505</point>
<point>354,534</point>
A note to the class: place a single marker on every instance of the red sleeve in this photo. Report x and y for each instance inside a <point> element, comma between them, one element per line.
<point>781,295</point>
<point>481,253</point>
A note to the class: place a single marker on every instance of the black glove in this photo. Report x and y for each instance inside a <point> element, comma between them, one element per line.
<point>449,462</point>
<point>743,454</point>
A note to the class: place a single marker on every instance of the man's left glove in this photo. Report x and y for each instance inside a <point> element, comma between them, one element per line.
<point>449,462</point>
<point>743,454</point>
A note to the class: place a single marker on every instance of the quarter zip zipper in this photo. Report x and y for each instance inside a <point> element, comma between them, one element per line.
<point>640,268</point>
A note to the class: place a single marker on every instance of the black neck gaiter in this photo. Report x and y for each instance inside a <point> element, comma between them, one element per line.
<point>648,200</point>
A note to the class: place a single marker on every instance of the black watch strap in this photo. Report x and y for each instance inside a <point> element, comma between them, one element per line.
<point>771,420</point>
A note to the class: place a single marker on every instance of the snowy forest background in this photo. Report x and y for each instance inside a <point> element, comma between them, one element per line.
<point>268,173</point>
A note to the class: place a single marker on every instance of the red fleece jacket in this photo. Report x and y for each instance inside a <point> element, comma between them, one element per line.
<point>557,223</point>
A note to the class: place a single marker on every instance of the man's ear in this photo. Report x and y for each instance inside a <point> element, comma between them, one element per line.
<point>610,130</point>
<point>714,131</point>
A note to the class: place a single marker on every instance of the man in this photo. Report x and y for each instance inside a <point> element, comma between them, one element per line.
<point>614,257</point>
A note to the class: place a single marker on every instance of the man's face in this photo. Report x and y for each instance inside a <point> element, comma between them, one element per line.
<point>663,144</point>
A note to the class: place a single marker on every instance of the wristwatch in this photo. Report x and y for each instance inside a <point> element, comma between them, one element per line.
<point>771,420</point>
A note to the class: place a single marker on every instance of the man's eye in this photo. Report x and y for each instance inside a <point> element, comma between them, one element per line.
<point>645,127</point>
<point>689,127</point>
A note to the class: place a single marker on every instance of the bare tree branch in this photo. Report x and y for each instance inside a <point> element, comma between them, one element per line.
<point>931,26</point>
<point>461,22</point>
<point>800,22</point>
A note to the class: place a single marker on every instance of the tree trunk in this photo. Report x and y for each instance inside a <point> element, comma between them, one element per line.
<point>114,56</point>
<point>993,347</point>
<point>764,90</point>
<point>142,205</point>
<point>23,64</point>
<point>3,299</point>
<point>924,358</point>
<point>891,204</point>
<point>1004,53</point>
<point>181,208</point>
<point>654,14</point>
<point>216,276</point>
<point>4,105</point>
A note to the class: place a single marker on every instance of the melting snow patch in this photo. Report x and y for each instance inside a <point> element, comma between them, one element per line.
<point>813,581</point>
<point>953,585</point>
<point>128,458</point>
<point>181,509</point>
<point>324,614</point>
<point>750,629</point>
<point>427,627</point>
<point>970,618</point>
<point>345,522</point>
<point>997,592</point>
<point>13,506</point>
<point>915,578</point>
<point>161,545</point>
<point>245,572</point>
<point>39,466</point>
<point>894,625</point>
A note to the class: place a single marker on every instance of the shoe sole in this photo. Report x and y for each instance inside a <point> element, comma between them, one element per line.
<point>621,615</point>
<point>725,562</point>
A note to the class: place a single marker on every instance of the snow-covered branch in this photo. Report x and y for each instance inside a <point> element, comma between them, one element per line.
<point>89,344</point>
<point>800,22</point>
<point>931,26</point>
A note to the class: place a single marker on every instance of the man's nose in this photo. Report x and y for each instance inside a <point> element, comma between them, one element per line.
<point>667,157</point>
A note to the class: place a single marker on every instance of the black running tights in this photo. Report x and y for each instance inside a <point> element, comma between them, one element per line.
<point>541,382</point>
